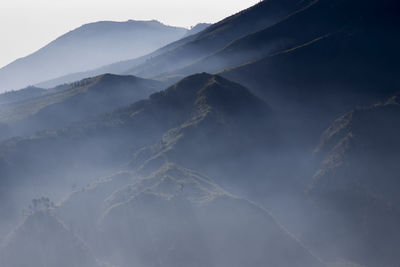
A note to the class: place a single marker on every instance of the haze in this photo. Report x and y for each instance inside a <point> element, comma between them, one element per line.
<point>28,25</point>
<point>270,138</point>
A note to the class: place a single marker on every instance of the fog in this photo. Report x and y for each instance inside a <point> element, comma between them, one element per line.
<point>250,143</point>
<point>174,180</point>
<point>172,214</point>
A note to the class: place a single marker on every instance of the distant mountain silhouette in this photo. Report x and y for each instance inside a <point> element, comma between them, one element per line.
<point>87,47</point>
<point>194,47</point>
<point>217,36</point>
<point>357,183</point>
<point>117,67</point>
<point>266,46</point>
<point>32,109</point>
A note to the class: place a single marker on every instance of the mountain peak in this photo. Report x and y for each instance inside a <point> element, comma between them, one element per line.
<point>205,84</point>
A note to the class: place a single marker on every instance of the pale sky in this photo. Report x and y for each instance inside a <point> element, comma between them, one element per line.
<point>27,25</point>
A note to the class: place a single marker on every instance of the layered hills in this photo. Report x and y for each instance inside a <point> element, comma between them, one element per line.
<point>356,184</point>
<point>89,46</point>
<point>167,214</point>
<point>33,109</point>
<point>203,115</point>
<point>196,46</point>
<point>316,59</point>
<point>172,177</point>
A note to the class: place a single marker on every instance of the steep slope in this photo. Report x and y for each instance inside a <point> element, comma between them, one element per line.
<point>196,46</point>
<point>176,217</point>
<point>340,61</point>
<point>332,17</point>
<point>314,81</point>
<point>87,47</point>
<point>217,36</point>
<point>356,185</point>
<point>42,240</point>
<point>58,107</point>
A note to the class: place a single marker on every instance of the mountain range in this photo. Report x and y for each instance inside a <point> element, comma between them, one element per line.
<point>269,138</point>
<point>89,46</point>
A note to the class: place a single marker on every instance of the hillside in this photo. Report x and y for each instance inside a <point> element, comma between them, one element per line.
<point>119,67</point>
<point>265,47</point>
<point>89,46</point>
<point>192,116</point>
<point>195,46</point>
<point>32,109</point>
<point>270,138</point>
<point>331,71</point>
<point>217,36</point>
<point>357,183</point>
<point>20,95</point>
<point>176,216</point>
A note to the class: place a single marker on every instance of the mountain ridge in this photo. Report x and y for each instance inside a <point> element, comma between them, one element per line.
<point>65,104</point>
<point>87,47</point>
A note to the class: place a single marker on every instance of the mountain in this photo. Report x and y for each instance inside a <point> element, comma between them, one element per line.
<point>356,183</point>
<point>137,174</point>
<point>87,47</point>
<point>327,70</point>
<point>196,46</point>
<point>43,240</point>
<point>32,109</point>
<point>177,217</point>
<point>217,36</point>
<point>119,67</point>
<point>202,115</point>
<point>226,121</point>
<point>265,48</point>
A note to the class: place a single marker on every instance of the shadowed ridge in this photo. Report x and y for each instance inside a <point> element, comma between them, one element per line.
<point>70,103</point>
<point>357,184</point>
<point>217,36</point>
<point>212,89</point>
